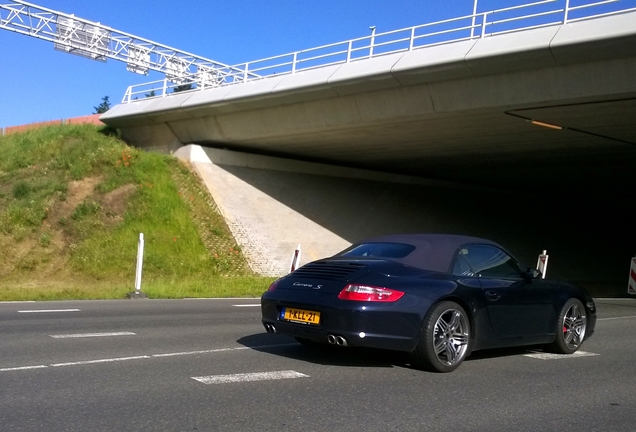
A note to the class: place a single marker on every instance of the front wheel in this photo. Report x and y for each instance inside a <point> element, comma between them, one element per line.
<point>445,338</point>
<point>571,326</point>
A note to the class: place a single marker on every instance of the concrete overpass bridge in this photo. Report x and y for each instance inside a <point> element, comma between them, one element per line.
<point>527,136</point>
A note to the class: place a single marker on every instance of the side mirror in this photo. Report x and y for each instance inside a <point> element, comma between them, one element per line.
<point>532,274</point>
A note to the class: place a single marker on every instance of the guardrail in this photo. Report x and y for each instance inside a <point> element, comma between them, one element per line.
<point>474,26</point>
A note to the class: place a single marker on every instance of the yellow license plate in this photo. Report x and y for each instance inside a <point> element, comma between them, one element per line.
<point>302,316</point>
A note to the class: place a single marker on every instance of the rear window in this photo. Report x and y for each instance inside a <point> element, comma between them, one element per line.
<point>379,250</point>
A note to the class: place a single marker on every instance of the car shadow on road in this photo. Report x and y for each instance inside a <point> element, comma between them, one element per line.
<point>324,354</point>
<point>503,352</point>
<point>330,355</point>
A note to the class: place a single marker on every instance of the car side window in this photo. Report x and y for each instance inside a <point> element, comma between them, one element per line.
<point>462,267</point>
<point>490,261</point>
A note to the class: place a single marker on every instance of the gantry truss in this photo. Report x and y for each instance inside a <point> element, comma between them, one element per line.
<point>95,41</point>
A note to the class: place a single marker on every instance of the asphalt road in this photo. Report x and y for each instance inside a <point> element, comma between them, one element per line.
<point>208,365</point>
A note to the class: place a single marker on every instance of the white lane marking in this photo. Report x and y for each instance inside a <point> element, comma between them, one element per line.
<point>86,362</point>
<point>614,299</point>
<point>23,368</point>
<point>100,361</point>
<point>550,356</point>
<point>199,352</point>
<point>247,377</point>
<point>220,350</point>
<point>615,318</point>
<point>85,335</point>
<point>247,305</point>
<point>48,310</point>
<point>20,301</point>
<point>221,298</point>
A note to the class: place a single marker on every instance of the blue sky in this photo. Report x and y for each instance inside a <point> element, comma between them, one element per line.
<point>41,84</point>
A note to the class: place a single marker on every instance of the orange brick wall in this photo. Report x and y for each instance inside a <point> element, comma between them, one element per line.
<point>88,119</point>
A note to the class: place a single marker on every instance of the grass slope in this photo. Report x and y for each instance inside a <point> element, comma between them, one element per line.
<point>73,201</point>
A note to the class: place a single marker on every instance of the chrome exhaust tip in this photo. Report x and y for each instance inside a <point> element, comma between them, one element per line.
<point>331,339</point>
<point>270,328</point>
<point>340,341</point>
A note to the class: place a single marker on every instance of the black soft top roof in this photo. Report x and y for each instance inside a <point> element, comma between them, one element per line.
<point>432,251</point>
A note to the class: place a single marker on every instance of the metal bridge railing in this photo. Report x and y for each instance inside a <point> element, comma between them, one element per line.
<point>469,27</point>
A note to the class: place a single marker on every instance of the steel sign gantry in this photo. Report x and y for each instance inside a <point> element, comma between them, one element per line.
<point>98,42</point>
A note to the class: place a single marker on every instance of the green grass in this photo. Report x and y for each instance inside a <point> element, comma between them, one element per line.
<point>217,287</point>
<point>72,204</point>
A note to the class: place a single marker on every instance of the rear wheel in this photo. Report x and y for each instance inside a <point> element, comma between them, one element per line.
<point>445,338</point>
<point>571,326</point>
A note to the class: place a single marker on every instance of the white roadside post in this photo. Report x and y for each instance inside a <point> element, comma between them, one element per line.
<point>295,259</point>
<point>140,262</point>
<point>542,263</point>
<point>631,285</point>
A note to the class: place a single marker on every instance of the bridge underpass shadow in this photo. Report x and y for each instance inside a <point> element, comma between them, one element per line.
<point>524,223</point>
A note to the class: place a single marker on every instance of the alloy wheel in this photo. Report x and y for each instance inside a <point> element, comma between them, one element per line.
<point>574,324</point>
<point>451,337</point>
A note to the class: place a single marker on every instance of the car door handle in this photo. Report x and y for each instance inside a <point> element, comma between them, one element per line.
<point>493,295</point>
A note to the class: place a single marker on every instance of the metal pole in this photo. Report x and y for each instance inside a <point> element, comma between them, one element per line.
<point>140,262</point>
<point>472,28</point>
<point>295,259</point>
<point>372,41</point>
<point>567,11</point>
<point>127,95</point>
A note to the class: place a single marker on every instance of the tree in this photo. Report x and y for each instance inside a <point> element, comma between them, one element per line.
<point>102,107</point>
<point>182,87</point>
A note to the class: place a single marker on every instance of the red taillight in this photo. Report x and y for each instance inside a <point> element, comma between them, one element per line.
<point>272,287</point>
<point>369,293</point>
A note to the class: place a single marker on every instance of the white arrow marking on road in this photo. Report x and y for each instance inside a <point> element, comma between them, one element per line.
<point>247,377</point>
<point>549,356</point>
<point>84,335</point>
<point>48,310</point>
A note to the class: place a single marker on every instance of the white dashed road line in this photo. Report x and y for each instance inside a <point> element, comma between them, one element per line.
<point>615,318</point>
<point>549,356</point>
<point>86,362</point>
<point>48,310</point>
<point>247,305</point>
<point>248,377</point>
<point>22,368</point>
<point>86,335</point>
<point>14,302</point>
<point>142,357</point>
<point>200,352</point>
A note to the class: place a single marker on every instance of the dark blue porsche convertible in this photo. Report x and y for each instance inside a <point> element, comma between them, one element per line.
<point>439,297</point>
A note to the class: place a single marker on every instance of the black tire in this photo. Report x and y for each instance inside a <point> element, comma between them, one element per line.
<point>445,338</point>
<point>570,328</point>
